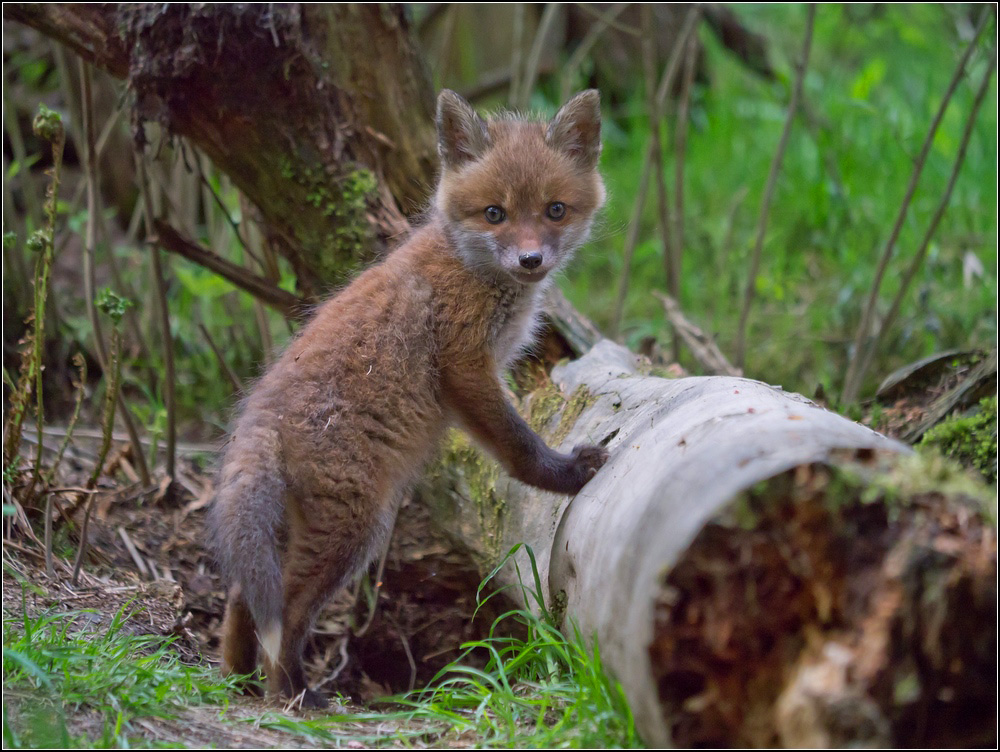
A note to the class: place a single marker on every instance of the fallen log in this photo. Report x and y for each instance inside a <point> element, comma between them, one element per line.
<point>757,570</point>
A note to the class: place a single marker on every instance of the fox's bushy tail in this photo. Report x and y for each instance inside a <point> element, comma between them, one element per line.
<point>246,520</point>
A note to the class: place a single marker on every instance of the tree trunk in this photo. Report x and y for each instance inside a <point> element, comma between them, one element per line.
<point>741,583</point>
<point>320,114</point>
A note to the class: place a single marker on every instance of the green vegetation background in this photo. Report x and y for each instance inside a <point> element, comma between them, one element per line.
<point>875,79</point>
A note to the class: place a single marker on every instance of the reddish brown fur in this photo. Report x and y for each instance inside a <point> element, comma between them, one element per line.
<point>342,424</point>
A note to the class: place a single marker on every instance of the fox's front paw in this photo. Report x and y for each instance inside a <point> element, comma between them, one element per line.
<point>587,460</point>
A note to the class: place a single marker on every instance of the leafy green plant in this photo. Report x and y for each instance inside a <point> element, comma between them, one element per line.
<point>41,243</point>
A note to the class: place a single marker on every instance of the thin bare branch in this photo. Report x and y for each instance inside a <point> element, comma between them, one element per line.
<point>680,149</point>
<point>234,380</point>
<point>163,314</point>
<point>852,381</point>
<point>664,220</point>
<point>604,22</point>
<point>631,239</point>
<point>527,84</point>
<point>518,54</point>
<point>702,346</point>
<point>772,181</point>
<point>917,262</point>
<point>608,18</point>
<point>288,304</point>
<point>89,255</point>
<point>648,162</point>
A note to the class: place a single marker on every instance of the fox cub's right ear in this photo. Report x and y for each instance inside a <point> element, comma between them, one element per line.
<point>576,129</point>
<point>462,134</point>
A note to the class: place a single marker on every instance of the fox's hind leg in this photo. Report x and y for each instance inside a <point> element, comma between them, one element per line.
<point>239,639</point>
<point>323,556</point>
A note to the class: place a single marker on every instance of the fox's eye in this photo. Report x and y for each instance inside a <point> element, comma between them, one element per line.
<point>556,210</point>
<point>495,215</point>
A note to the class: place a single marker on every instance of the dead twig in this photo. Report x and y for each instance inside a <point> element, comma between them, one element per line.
<point>917,262</point>
<point>631,239</point>
<point>604,22</point>
<point>940,408</point>
<point>89,256</point>
<point>772,180</point>
<point>114,307</point>
<point>234,380</point>
<point>163,314</point>
<point>702,346</point>
<point>680,149</point>
<point>852,380</point>
<point>145,569</point>
<point>527,84</point>
<point>662,91</point>
<point>518,54</point>
<point>655,116</point>
<point>609,19</point>
<point>291,306</point>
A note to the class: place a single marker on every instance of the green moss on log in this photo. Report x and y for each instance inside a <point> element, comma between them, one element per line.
<point>344,201</point>
<point>969,439</point>
<point>547,402</point>
<point>480,474</point>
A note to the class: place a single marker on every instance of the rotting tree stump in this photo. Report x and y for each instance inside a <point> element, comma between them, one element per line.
<point>757,570</point>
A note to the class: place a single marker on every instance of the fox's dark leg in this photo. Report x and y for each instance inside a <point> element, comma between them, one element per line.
<point>340,538</point>
<point>473,391</point>
<point>239,638</point>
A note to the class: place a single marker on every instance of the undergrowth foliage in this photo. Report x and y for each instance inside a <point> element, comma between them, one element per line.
<point>541,689</point>
<point>545,689</point>
<point>76,663</point>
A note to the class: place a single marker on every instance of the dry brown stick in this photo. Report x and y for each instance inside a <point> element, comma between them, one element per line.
<point>200,160</point>
<point>111,398</point>
<point>226,368</point>
<point>145,568</point>
<point>91,434</point>
<point>676,56</point>
<point>89,256</point>
<point>772,180</point>
<point>852,381</point>
<point>517,54</point>
<point>655,115</point>
<point>609,18</point>
<point>702,346</point>
<point>680,148</point>
<point>605,20</point>
<point>163,314</point>
<point>722,254</point>
<point>666,82</point>
<point>631,239</point>
<point>527,83</point>
<point>917,262</point>
<point>447,39</point>
<point>288,304</point>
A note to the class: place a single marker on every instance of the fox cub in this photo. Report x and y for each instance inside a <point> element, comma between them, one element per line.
<point>333,434</point>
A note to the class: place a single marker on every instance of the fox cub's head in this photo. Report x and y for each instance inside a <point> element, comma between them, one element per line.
<point>518,196</point>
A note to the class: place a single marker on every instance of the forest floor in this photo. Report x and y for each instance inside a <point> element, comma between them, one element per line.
<point>149,605</point>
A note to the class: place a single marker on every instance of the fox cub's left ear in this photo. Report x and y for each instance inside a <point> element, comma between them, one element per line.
<point>462,134</point>
<point>576,128</point>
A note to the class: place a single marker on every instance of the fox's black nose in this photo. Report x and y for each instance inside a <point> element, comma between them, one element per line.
<point>530,260</point>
